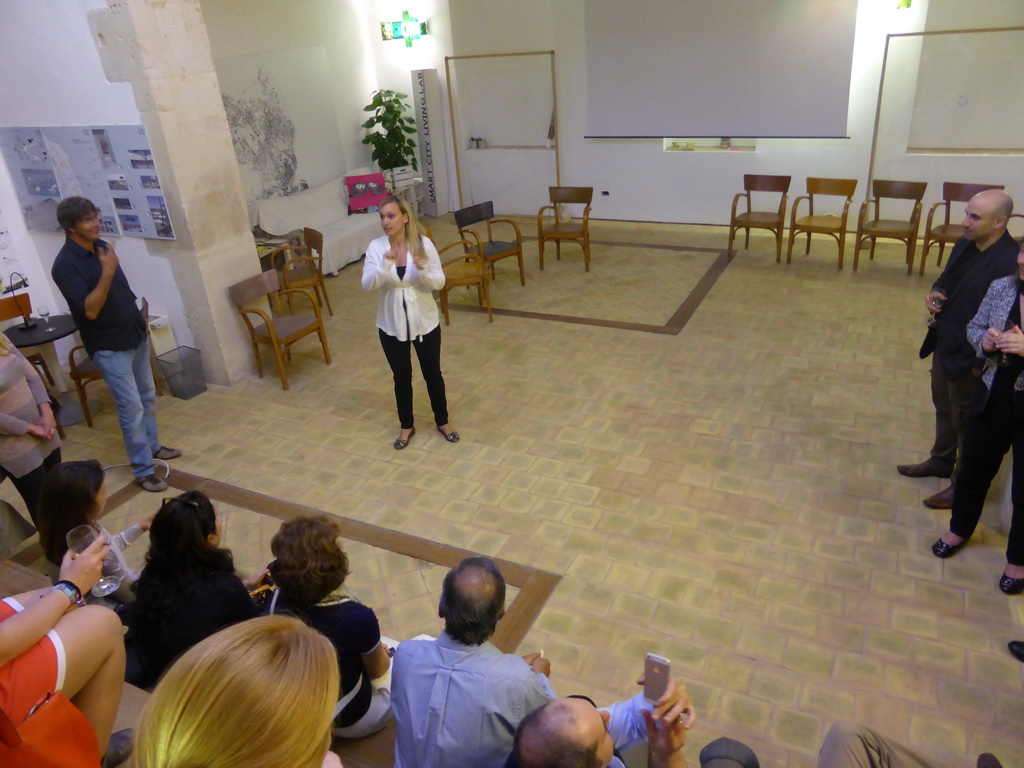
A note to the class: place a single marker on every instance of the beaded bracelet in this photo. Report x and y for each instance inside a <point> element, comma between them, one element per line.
<point>70,591</point>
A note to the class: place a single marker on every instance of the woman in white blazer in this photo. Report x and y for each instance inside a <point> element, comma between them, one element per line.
<point>405,268</point>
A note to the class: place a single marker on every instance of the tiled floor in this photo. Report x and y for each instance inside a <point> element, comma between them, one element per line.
<point>725,496</point>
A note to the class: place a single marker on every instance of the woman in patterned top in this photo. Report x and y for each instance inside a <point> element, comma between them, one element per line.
<point>29,445</point>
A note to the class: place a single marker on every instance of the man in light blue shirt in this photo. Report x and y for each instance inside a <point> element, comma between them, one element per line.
<point>458,700</point>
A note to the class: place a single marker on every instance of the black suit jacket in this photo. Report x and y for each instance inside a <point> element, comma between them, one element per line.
<point>998,260</point>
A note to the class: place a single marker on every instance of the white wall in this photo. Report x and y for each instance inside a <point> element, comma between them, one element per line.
<point>53,76</point>
<point>251,27</point>
<point>646,183</point>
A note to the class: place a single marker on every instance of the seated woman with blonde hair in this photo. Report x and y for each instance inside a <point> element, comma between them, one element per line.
<point>310,570</point>
<point>258,694</point>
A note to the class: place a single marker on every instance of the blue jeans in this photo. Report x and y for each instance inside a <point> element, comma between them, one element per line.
<point>130,378</point>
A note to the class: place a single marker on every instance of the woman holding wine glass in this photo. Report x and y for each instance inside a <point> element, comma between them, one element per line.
<point>29,445</point>
<point>48,643</point>
<point>997,406</point>
<point>74,494</point>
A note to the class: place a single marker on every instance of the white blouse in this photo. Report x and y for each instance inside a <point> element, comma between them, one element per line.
<point>406,308</point>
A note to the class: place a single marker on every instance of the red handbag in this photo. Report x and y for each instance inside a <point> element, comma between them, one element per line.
<point>54,735</point>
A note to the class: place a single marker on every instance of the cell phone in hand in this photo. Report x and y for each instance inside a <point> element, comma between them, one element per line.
<point>656,673</point>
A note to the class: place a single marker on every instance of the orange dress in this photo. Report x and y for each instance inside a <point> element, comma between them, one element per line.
<point>26,680</point>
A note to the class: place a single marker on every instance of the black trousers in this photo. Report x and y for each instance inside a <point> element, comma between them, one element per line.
<point>31,484</point>
<point>428,350</point>
<point>989,436</point>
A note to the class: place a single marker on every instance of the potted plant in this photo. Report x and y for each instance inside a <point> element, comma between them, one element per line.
<point>388,131</point>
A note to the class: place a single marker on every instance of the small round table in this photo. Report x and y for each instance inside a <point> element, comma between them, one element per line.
<point>63,325</point>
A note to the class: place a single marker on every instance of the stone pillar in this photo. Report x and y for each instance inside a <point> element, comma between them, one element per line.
<point>162,48</point>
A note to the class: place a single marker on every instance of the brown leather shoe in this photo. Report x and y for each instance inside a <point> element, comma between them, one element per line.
<point>941,500</point>
<point>929,468</point>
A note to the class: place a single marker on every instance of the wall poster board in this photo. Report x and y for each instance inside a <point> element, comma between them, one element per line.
<point>111,165</point>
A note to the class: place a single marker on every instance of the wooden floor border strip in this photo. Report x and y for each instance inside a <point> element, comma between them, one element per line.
<point>673,327</point>
<point>535,586</point>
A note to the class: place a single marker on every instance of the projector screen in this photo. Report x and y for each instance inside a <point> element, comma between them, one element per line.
<point>738,68</point>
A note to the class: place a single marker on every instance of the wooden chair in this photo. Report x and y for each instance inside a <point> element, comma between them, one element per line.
<point>823,224</point>
<point>897,229</point>
<point>774,221</point>
<point>566,228</point>
<point>83,370</point>
<point>946,234</point>
<point>308,271</point>
<point>276,329</point>
<point>492,250</point>
<point>466,269</point>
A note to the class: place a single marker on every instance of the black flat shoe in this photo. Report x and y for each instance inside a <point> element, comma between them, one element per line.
<point>1011,586</point>
<point>1017,649</point>
<point>944,550</point>
<point>451,437</point>
<point>400,443</point>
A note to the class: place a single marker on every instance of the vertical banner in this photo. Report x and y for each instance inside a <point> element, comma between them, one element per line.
<point>426,93</point>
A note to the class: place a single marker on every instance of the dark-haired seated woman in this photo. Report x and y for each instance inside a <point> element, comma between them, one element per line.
<point>74,493</point>
<point>310,570</point>
<point>187,590</point>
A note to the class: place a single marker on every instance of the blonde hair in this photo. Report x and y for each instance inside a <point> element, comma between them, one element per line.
<point>6,345</point>
<point>413,228</point>
<point>259,694</point>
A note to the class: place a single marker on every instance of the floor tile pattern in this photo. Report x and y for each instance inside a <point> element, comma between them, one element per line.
<point>725,497</point>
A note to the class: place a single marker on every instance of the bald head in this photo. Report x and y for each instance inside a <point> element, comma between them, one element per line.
<point>986,217</point>
<point>472,600</point>
<point>995,201</point>
<point>567,733</point>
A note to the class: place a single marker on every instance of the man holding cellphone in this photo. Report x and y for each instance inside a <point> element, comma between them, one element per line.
<point>113,331</point>
<point>593,736</point>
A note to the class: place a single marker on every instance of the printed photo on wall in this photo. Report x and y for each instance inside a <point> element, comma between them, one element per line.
<point>122,203</point>
<point>108,226</point>
<point>103,147</point>
<point>141,158</point>
<point>118,183</point>
<point>130,223</point>
<point>149,182</point>
<point>161,219</point>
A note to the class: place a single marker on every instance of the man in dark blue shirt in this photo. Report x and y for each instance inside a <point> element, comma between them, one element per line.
<point>113,331</point>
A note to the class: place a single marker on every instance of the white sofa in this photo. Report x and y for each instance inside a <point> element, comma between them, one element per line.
<point>324,208</point>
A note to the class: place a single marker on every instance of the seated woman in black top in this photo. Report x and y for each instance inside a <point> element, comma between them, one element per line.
<point>310,571</point>
<point>187,591</point>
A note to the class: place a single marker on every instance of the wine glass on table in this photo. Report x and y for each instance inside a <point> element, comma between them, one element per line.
<point>79,538</point>
<point>44,312</point>
<point>1004,359</point>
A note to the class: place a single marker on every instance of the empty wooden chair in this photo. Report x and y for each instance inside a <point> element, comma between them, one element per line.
<point>492,250</point>
<point>307,269</point>
<point>465,269</point>
<point>898,229</point>
<point>945,233</point>
<point>822,224</point>
<point>774,221</point>
<point>276,329</point>
<point>563,227</point>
